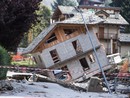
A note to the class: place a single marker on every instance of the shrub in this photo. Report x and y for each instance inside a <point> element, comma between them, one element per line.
<point>4,61</point>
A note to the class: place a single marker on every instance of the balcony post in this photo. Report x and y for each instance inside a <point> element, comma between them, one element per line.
<point>111,43</point>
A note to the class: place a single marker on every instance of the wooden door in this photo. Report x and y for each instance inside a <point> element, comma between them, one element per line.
<point>101,32</point>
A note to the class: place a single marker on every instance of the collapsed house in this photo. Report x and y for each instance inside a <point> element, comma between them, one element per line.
<point>65,44</point>
<point>108,31</point>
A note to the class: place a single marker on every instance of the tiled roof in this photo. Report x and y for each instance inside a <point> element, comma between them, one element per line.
<point>67,9</point>
<point>109,20</point>
<point>89,17</point>
<point>124,37</point>
<point>113,20</point>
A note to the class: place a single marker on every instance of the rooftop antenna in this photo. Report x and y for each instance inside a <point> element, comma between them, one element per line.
<point>87,32</point>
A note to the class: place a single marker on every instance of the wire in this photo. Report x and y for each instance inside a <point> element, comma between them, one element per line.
<point>94,49</point>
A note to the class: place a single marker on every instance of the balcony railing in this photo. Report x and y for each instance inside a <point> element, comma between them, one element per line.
<point>107,36</point>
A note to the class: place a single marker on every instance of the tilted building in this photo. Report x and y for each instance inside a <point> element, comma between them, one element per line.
<point>65,44</point>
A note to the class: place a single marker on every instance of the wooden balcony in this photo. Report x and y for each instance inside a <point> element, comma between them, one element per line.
<point>107,36</point>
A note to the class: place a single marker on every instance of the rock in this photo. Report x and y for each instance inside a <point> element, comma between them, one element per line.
<point>5,85</point>
<point>95,85</point>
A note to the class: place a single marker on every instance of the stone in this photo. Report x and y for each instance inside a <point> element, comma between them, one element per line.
<point>95,85</point>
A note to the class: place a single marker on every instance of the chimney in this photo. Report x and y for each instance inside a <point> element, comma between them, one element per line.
<point>116,15</point>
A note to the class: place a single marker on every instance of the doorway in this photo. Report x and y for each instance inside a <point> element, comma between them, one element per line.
<point>84,63</point>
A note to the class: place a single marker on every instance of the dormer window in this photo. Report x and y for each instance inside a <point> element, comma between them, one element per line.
<point>102,14</point>
<point>51,38</point>
<point>70,15</point>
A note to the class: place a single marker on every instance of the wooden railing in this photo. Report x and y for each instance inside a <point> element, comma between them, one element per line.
<point>107,36</point>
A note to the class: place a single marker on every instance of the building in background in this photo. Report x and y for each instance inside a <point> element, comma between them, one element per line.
<point>124,44</point>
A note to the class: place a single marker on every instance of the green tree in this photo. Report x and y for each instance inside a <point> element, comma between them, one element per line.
<point>16,17</point>
<point>125,10</point>
<point>64,3</point>
<point>4,61</point>
<point>43,20</point>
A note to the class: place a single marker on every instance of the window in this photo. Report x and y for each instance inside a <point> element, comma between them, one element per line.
<point>69,31</point>
<point>91,58</point>
<point>101,16</point>
<point>51,38</point>
<point>77,46</point>
<point>40,58</point>
<point>54,56</point>
<point>84,63</point>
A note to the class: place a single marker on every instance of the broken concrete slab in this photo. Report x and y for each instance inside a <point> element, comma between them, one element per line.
<point>95,85</point>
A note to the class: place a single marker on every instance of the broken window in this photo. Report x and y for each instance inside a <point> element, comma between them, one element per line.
<point>40,58</point>
<point>54,56</point>
<point>91,58</point>
<point>51,38</point>
<point>84,63</point>
<point>77,46</point>
<point>69,31</point>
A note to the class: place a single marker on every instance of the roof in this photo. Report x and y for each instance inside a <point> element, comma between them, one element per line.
<point>64,10</point>
<point>113,20</point>
<point>109,20</point>
<point>90,18</point>
<point>100,7</point>
<point>67,9</point>
<point>102,12</point>
<point>38,39</point>
<point>124,37</point>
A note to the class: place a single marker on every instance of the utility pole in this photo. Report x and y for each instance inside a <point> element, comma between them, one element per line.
<point>87,32</point>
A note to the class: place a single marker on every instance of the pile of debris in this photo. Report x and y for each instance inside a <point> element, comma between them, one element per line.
<point>5,85</point>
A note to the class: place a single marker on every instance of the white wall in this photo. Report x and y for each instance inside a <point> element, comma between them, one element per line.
<point>75,69</point>
<point>39,63</point>
<point>111,29</point>
<point>65,49</point>
<point>125,47</point>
